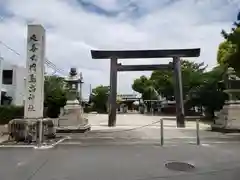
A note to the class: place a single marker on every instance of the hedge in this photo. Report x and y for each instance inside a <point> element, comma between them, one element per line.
<point>87,109</point>
<point>8,113</point>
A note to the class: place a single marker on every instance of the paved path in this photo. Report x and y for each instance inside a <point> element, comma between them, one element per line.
<point>131,128</point>
<point>100,121</point>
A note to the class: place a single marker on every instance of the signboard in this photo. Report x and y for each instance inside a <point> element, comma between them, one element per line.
<point>34,95</point>
<point>127,96</point>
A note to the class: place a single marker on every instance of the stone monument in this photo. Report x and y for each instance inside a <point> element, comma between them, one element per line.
<point>229,116</point>
<point>33,126</point>
<point>72,119</point>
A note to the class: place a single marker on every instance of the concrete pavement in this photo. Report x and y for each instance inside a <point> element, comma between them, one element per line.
<point>127,152</point>
<point>135,162</point>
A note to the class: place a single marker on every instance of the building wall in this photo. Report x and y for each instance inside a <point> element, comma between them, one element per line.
<point>1,66</point>
<point>20,74</point>
<point>17,88</point>
<point>10,88</point>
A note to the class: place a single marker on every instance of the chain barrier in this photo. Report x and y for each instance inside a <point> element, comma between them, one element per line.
<point>161,129</point>
<point>132,129</point>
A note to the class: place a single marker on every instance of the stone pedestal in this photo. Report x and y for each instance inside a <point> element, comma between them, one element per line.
<point>228,117</point>
<point>72,119</point>
<point>28,129</point>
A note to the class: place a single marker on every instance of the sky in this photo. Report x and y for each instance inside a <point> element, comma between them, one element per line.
<point>74,27</point>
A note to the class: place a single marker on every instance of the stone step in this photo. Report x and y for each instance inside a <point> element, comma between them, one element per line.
<point>73,129</point>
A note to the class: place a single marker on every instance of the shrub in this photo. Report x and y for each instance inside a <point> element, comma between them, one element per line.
<point>53,111</point>
<point>8,113</point>
<point>87,109</point>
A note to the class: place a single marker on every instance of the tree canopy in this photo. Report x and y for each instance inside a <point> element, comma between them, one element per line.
<point>54,95</point>
<point>200,87</point>
<point>162,82</point>
<point>229,51</point>
<point>145,86</point>
<point>209,94</point>
<point>99,98</point>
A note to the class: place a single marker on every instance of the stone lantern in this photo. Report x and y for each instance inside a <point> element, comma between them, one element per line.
<point>228,117</point>
<point>72,117</point>
<point>72,83</point>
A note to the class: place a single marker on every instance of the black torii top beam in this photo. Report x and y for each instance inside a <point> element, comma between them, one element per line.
<point>133,54</point>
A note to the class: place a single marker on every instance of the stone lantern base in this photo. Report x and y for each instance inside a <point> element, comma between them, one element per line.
<point>229,117</point>
<point>72,119</point>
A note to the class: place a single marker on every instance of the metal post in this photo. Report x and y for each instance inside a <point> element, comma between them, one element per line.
<point>80,94</point>
<point>40,132</point>
<point>161,128</point>
<point>80,89</point>
<point>113,93</point>
<point>197,132</point>
<point>151,107</point>
<point>178,92</point>
<point>90,89</point>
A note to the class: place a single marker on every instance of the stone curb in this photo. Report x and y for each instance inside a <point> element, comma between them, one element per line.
<point>35,146</point>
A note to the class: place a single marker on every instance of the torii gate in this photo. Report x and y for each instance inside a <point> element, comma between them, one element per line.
<point>176,54</point>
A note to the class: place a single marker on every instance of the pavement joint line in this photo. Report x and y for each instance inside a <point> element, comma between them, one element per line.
<point>90,138</point>
<point>98,128</point>
<point>203,143</point>
<point>52,145</point>
<point>34,146</point>
<point>17,146</point>
<point>186,137</point>
<point>116,138</point>
<point>136,143</point>
<point>149,139</point>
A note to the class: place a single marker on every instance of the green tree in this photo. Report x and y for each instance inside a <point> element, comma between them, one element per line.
<point>209,94</point>
<point>54,95</point>
<point>99,98</point>
<point>191,77</point>
<point>229,50</point>
<point>163,82</point>
<point>145,86</point>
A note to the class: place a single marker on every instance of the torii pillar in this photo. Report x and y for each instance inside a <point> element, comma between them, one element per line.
<point>113,92</point>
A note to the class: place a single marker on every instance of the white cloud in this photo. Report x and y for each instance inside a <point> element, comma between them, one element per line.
<point>73,31</point>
